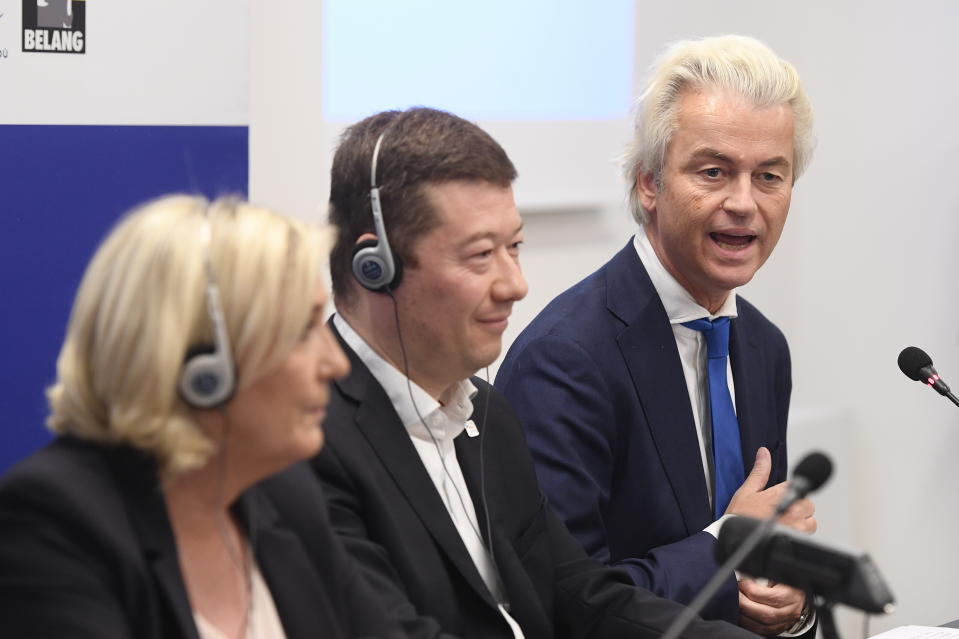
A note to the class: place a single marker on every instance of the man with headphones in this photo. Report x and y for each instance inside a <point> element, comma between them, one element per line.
<point>430,483</point>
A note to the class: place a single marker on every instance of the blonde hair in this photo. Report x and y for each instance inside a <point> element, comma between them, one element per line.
<point>141,306</point>
<point>739,65</point>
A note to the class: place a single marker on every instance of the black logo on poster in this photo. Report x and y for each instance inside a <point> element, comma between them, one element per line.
<point>55,26</point>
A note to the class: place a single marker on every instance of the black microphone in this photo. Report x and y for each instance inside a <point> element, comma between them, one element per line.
<point>810,474</point>
<point>788,557</point>
<point>917,365</point>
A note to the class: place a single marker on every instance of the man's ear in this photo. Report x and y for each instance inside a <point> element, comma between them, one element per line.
<point>647,190</point>
<point>364,237</point>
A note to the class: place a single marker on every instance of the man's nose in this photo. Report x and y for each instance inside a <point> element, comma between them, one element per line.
<point>510,285</point>
<point>740,198</point>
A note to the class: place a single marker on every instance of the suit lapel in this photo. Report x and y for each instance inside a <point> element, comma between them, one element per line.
<point>518,589</point>
<point>378,422</point>
<point>468,454</point>
<point>649,350</point>
<point>746,360</point>
<point>136,475</point>
<point>286,565</point>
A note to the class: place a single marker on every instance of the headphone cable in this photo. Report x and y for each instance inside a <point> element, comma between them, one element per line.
<point>409,388</point>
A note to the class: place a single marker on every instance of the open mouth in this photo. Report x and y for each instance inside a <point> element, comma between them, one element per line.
<point>732,242</point>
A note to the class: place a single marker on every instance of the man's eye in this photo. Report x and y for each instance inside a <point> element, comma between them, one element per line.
<point>768,177</point>
<point>713,172</point>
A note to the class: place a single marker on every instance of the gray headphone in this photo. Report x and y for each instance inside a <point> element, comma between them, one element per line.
<point>208,378</point>
<point>375,266</point>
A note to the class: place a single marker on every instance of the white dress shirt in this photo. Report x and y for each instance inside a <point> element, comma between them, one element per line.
<point>432,426</point>
<point>681,307</point>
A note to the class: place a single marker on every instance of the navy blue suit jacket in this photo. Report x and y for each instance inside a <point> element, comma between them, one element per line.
<point>598,384</point>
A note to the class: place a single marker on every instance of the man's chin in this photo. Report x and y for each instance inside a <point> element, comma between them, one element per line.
<point>486,358</point>
<point>727,279</point>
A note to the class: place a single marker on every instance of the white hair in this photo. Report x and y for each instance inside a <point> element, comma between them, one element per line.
<point>739,65</point>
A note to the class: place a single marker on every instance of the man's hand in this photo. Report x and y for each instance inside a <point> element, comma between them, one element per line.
<point>753,499</point>
<point>768,609</point>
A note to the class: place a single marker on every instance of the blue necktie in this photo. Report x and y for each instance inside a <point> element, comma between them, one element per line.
<point>727,449</point>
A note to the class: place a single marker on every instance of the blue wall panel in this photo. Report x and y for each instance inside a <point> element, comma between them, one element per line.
<point>61,189</point>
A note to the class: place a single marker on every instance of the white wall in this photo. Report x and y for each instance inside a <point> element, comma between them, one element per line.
<point>289,153</point>
<point>184,63</point>
<point>866,265</point>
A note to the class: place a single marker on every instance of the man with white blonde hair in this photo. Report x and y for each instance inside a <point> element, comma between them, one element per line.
<point>655,399</point>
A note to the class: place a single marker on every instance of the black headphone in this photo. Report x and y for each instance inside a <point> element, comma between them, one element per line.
<point>208,378</point>
<point>375,266</point>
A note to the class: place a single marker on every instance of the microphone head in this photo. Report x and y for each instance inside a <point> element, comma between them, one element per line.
<point>911,362</point>
<point>813,469</point>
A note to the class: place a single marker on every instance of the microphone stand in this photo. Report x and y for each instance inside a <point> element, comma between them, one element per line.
<point>826,619</point>
<point>952,398</point>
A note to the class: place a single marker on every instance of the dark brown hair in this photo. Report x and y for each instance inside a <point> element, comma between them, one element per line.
<point>421,146</point>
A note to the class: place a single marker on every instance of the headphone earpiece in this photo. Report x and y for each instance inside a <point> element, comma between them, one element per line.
<point>375,266</point>
<point>206,380</point>
<point>373,269</point>
<point>208,377</point>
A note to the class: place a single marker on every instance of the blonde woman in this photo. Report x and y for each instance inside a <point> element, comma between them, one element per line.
<point>196,363</point>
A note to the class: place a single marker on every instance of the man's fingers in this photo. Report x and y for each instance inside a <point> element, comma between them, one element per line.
<point>807,525</point>
<point>769,610</point>
<point>759,475</point>
<point>800,516</point>
<point>753,499</point>
<point>801,509</point>
<point>761,619</point>
<point>775,596</point>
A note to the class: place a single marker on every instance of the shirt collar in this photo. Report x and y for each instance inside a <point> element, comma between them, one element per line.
<point>446,418</point>
<point>680,305</point>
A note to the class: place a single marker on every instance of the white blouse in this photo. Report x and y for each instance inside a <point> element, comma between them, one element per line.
<point>263,622</point>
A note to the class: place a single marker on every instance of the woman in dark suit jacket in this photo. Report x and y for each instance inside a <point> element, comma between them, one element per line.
<point>196,363</point>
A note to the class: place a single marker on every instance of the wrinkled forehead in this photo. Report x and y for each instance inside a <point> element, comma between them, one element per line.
<point>730,126</point>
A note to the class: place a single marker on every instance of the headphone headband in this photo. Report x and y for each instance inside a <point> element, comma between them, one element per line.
<point>376,157</point>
